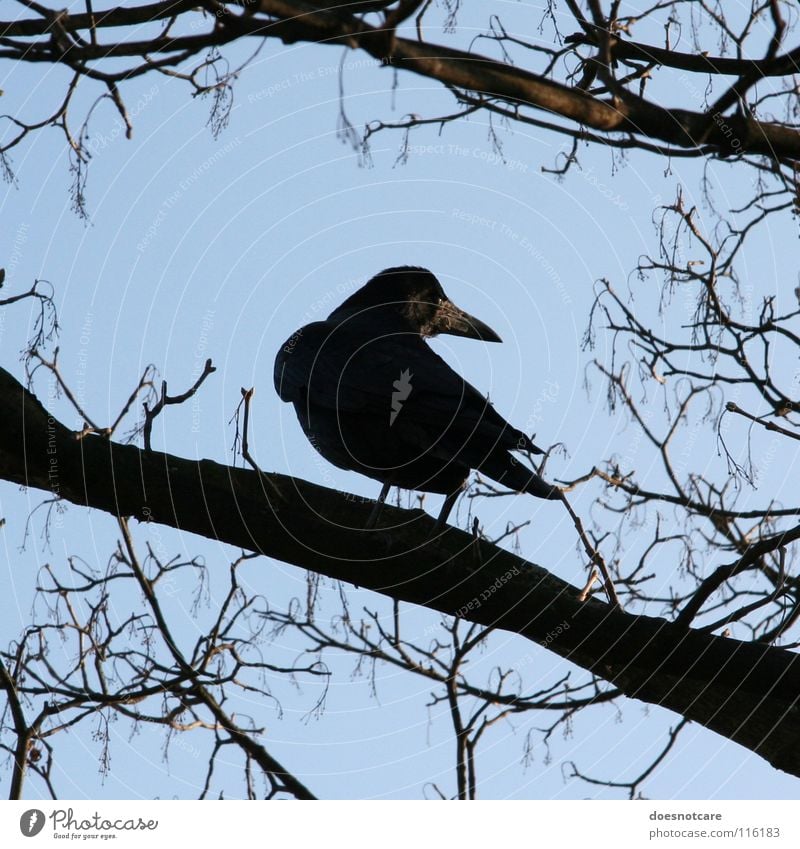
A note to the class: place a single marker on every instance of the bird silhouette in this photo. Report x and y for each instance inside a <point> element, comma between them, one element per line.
<point>372,397</point>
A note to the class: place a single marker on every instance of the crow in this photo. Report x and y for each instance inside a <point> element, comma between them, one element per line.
<point>372,397</point>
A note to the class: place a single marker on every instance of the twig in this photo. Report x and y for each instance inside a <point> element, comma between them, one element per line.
<point>247,395</point>
<point>732,407</point>
<point>595,558</point>
<point>150,415</point>
<point>584,593</point>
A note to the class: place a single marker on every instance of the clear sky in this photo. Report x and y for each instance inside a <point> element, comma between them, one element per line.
<point>200,247</point>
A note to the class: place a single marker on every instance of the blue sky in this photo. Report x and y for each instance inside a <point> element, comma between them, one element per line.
<point>200,247</point>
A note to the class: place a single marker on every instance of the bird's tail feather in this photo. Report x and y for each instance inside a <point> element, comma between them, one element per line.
<point>514,475</point>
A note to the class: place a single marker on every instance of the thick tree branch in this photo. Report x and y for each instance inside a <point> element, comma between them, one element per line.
<point>625,112</point>
<point>698,63</point>
<point>747,692</point>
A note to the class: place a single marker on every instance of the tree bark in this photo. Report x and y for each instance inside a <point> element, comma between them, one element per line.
<point>747,692</point>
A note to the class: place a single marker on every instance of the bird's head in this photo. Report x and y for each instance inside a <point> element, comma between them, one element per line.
<point>412,299</point>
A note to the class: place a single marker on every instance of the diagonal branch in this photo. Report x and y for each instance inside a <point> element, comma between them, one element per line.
<point>747,692</point>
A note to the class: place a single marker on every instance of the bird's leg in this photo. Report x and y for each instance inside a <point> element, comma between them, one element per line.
<point>376,510</point>
<point>449,502</point>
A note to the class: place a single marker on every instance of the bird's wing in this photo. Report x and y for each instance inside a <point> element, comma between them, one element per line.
<point>457,418</point>
<point>399,384</point>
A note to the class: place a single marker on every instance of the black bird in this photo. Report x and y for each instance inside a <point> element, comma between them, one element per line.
<point>371,396</point>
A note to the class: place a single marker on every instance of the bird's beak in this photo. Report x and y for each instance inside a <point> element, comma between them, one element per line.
<point>456,322</point>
